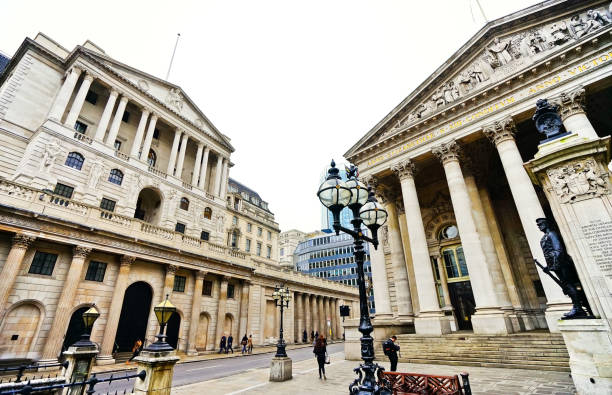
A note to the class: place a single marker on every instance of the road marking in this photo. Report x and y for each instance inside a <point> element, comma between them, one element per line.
<point>246,389</point>
<point>206,367</point>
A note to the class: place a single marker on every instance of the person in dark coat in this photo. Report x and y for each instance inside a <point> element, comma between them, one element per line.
<point>230,341</point>
<point>320,350</point>
<point>312,337</point>
<point>390,349</point>
<point>244,342</point>
<point>222,345</point>
<point>304,336</point>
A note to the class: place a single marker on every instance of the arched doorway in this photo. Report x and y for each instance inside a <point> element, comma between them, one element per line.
<point>173,329</point>
<point>134,316</point>
<point>202,336</point>
<point>148,206</point>
<point>228,324</point>
<point>459,286</point>
<point>76,328</point>
<point>19,329</point>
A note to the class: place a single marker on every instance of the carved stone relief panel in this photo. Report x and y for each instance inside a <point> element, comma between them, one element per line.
<point>578,180</point>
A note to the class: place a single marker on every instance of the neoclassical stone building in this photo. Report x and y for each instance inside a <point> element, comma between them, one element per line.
<point>115,190</point>
<point>449,164</point>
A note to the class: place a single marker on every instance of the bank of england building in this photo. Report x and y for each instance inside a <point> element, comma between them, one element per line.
<point>115,190</point>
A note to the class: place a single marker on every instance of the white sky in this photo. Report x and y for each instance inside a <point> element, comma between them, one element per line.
<point>292,83</point>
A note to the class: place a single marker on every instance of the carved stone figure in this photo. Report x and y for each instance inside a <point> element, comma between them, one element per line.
<point>560,33</point>
<point>500,51</point>
<point>577,181</point>
<point>174,99</point>
<point>578,27</point>
<point>220,221</point>
<point>451,93</point>
<point>476,74</point>
<point>535,42</point>
<point>547,119</point>
<point>52,150</point>
<point>95,173</point>
<point>559,262</point>
<point>438,98</point>
<point>595,20</point>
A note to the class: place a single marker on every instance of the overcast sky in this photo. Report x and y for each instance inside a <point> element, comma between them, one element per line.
<point>292,83</point>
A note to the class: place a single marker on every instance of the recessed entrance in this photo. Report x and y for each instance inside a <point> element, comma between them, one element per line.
<point>76,328</point>
<point>148,206</point>
<point>459,287</point>
<point>134,316</point>
<point>174,326</point>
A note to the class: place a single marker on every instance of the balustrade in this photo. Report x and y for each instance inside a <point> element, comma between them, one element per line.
<point>157,172</point>
<point>121,155</point>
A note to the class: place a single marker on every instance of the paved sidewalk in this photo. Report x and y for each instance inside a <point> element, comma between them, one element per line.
<point>340,375</point>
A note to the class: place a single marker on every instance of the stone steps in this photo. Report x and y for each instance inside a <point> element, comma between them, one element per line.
<point>538,351</point>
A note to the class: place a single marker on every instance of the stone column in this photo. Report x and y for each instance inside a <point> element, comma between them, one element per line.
<point>338,319</point>
<point>430,320</point>
<point>169,281</point>
<point>308,314</point>
<point>221,308</point>
<point>10,270</point>
<point>106,114</point>
<point>139,133</point>
<point>146,146</point>
<point>315,313</point>
<point>196,166</point>
<point>114,129</point>
<point>322,316</point>
<point>64,94</point>
<point>79,99</point>
<point>218,172</point>
<point>65,304</point>
<point>572,109</point>
<point>196,303</point>
<point>244,310</point>
<point>299,315</point>
<point>181,156</point>
<point>224,177</point>
<point>174,151</point>
<point>489,317</point>
<point>105,357</point>
<point>202,183</point>
<point>501,133</point>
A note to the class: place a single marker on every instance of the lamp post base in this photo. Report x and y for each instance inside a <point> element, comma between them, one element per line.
<point>281,369</point>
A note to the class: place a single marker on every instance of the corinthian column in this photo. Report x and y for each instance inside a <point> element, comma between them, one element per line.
<point>196,302</point>
<point>203,168</point>
<point>218,172</point>
<point>79,99</point>
<point>299,316</point>
<point>146,146</point>
<point>65,304</point>
<point>572,109</point>
<point>114,313</point>
<point>114,129</point>
<point>106,114</point>
<point>196,166</point>
<point>501,133</point>
<point>169,280</point>
<point>430,320</point>
<point>181,156</point>
<point>11,267</point>
<point>307,313</point>
<point>139,133</point>
<point>221,308</point>
<point>243,326</point>
<point>315,314</point>
<point>63,96</point>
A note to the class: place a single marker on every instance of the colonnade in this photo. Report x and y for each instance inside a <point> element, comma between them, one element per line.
<point>318,314</point>
<point>141,144</point>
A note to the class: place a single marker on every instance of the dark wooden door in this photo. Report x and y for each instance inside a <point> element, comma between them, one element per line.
<point>462,299</point>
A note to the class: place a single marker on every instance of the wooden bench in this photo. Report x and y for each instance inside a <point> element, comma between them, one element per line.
<point>425,384</point>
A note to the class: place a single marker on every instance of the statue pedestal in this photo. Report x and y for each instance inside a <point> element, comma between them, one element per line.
<point>281,369</point>
<point>384,328</point>
<point>160,369</point>
<point>80,361</point>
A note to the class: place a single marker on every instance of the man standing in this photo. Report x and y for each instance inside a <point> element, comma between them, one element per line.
<point>222,345</point>
<point>230,341</point>
<point>304,336</point>
<point>390,349</point>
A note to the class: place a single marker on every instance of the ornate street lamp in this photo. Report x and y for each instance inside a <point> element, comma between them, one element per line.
<point>89,317</point>
<point>335,195</point>
<point>281,297</point>
<point>163,312</point>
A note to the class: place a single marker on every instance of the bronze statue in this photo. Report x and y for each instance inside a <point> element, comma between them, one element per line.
<point>559,262</point>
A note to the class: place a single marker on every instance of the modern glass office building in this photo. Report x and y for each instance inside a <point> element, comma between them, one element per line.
<point>327,219</point>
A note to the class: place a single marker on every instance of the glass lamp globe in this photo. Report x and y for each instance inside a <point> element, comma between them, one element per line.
<point>164,311</point>
<point>333,192</point>
<point>359,192</point>
<point>90,316</point>
<point>373,215</point>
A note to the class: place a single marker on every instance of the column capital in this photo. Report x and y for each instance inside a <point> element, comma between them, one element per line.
<point>127,260</point>
<point>200,144</point>
<point>80,251</point>
<point>200,274</point>
<point>22,241</point>
<point>571,102</point>
<point>447,152</point>
<point>154,116</point>
<point>124,98</point>
<point>404,169</point>
<point>76,69</point>
<point>146,110</point>
<point>384,195</point>
<point>500,130</point>
<point>171,269</point>
<point>370,181</point>
<point>89,76</point>
<point>114,92</point>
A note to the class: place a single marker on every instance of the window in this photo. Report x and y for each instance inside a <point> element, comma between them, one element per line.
<point>151,158</point>
<point>75,160</point>
<point>95,271</point>
<point>126,117</point>
<point>282,252</point>
<point>259,231</point>
<point>156,134</point>
<point>63,190</point>
<point>230,291</point>
<point>258,249</point>
<point>179,283</point>
<point>207,288</point>
<point>448,232</point>
<point>236,204</point>
<point>249,226</point>
<point>43,263</point>
<point>268,252</point>
<point>184,203</point>
<point>107,204</point>
<point>208,213</point>
<point>116,176</point>
<point>269,235</point>
<point>117,145</point>
<point>454,263</point>
<point>204,235</point>
<point>92,97</point>
<point>80,127</point>
<point>180,228</point>
<point>234,242</point>
<point>234,220</point>
<point>248,245</point>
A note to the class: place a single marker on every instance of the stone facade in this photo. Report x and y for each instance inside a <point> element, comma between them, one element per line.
<point>115,190</point>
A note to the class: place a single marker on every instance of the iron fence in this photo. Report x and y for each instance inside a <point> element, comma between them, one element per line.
<point>21,369</point>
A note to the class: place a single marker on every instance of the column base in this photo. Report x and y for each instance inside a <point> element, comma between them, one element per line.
<point>281,369</point>
<point>553,314</point>
<point>105,360</point>
<point>432,324</point>
<point>492,322</point>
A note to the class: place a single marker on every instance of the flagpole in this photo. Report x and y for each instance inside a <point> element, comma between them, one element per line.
<point>178,35</point>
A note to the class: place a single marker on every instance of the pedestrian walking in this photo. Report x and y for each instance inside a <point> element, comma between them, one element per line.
<point>312,337</point>
<point>135,350</point>
<point>222,348</point>
<point>304,336</point>
<point>320,350</point>
<point>244,343</point>
<point>250,344</point>
<point>390,349</point>
<point>230,342</point>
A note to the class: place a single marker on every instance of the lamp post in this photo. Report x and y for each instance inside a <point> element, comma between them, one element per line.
<point>89,317</point>
<point>281,297</point>
<point>336,194</point>
<point>163,312</point>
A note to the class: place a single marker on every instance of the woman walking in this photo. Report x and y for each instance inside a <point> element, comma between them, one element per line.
<point>320,350</point>
<point>250,344</point>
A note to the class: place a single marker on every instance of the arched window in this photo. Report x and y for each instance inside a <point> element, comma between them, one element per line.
<point>207,213</point>
<point>116,176</point>
<point>454,262</point>
<point>448,232</point>
<point>184,204</point>
<point>75,160</point>
<point>234,239</point>
<point>152,158</point>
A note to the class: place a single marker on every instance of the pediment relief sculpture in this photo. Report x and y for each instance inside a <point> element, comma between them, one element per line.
<point>174,99</point>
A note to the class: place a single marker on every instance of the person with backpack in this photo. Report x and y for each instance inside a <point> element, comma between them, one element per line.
<point>230,344</point>
<point>390,349</point>
<point>222,345</point>
<point>244,342</point>
<point>320,350</point>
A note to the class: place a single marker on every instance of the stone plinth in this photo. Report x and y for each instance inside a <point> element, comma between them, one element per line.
<point>590,349</point>
<point>383,329</point>
<point>281,369</point>
<point>160,368</point>
<point>80,361</point>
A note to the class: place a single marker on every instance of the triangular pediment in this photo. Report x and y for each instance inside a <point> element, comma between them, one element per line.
<point>503,47</point>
